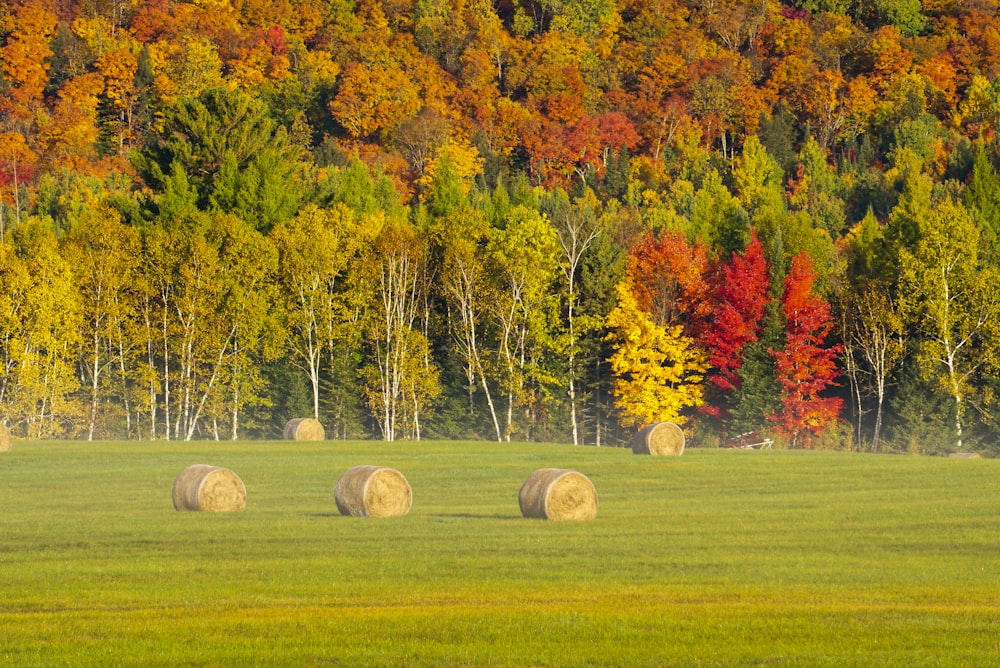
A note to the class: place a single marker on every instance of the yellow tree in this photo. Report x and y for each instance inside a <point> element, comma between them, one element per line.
<point>373,98</point>
<point>466,285</point>
<point>118,68</point>
<point>250,312</point>
<point>105,253</point>
<point>41,338</point>
<point>402,379</point>
<point>658,371</point>
<point>16,158</point>
<point>14,285</point>
<point>71,136</point>
<point>24,60</point>
<point>314,251</point>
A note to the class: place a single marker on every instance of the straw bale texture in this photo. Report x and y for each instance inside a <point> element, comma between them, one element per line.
<point>373,491</point>
<point>558,494</point>
<point>304,429</point>
<point>6,442</point>
<point>209,488</point>
<point>659,438</point>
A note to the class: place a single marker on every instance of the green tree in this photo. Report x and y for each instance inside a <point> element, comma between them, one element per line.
<point>982,199</point>
<point>717,217</point>
<point>903,227</point>
<point>234,156</point>
<point>524,262</point>
<point>951,302</point>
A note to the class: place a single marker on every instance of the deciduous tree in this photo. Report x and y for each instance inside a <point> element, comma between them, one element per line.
<point>805,366</point>
<point>105,254</point>
<point>951,301</point>
<point>658,371</point>
<point>739,296</point>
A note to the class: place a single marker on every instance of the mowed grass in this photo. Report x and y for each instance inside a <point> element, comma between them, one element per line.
<point>715,558</point>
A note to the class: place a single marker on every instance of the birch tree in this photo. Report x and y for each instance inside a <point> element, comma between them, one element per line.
<point>524,262</point>
<point>469,292</point>
<point>401,379</point>
<point>874,333</point>
<point>249,308</point>
<point>106,256</point>
<point>951,301</point>
<point>315,249</point>
<point>576,232</point>
<point>40,346</point>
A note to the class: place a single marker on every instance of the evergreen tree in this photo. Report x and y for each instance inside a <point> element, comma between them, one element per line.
<point>982,198</point>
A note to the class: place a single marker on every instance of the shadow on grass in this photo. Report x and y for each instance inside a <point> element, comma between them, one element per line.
<point>476,516</point>
<point>473,516</point>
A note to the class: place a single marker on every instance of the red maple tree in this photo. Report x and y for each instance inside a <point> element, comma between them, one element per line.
<point>805,367</point>
<point>739,296</point>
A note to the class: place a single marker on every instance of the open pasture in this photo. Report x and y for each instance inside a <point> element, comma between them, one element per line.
<point>715,558</point>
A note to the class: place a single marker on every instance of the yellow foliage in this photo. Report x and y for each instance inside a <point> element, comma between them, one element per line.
<point>185,70</point>
<point>461,157</point>
<point>118,69</point>
<point>658,371</point>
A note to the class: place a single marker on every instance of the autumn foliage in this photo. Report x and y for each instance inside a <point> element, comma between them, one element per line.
<point>601,213</point>
<point>738,299</point>
<point>806,365</point>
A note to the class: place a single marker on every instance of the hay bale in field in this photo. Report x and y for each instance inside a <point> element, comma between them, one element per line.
<point>6,442</point>
<point>304,429</point>
<point>659,438</point>
<point>373,491</point>
<point>209,488</point>
<point>965,455</point>
<point>558,494</point>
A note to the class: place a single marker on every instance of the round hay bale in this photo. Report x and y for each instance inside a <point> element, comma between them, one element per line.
<point>209,488</point>
<point>558,494</point>
<point>6,442</point>
<point>659,438</point>
<point>304,429</point>
<point>373,491</point>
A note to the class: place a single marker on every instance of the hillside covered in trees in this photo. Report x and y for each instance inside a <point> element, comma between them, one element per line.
<point>522,219</point>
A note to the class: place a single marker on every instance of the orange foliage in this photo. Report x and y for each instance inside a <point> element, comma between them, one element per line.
<point>24,57</point>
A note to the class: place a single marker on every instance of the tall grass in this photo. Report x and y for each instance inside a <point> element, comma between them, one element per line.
<point>716,558</point>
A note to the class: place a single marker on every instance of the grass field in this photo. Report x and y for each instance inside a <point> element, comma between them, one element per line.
<point>715,558</point>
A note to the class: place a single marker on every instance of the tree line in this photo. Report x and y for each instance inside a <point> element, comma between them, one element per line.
<point>527,220</point>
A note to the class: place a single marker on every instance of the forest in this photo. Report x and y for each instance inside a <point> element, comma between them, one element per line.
<point>535,220</point>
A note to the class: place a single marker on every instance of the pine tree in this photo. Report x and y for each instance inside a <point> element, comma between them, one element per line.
<point>982,199</point>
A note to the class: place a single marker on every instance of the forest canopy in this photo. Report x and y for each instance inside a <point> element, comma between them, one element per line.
<point>550,220</point>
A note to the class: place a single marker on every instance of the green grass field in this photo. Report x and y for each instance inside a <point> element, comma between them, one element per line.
<point>715,558</point>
